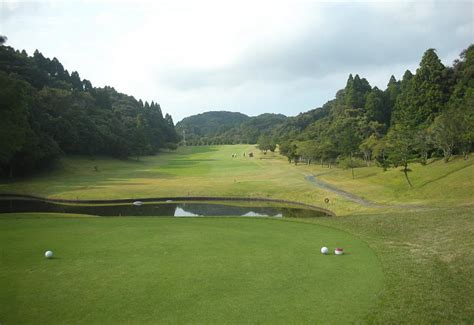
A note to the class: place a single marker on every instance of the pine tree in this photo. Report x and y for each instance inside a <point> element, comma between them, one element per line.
<point>391,94</point>
<point>356,92</point>
<point>376,108</point>
<point>76,81</point>
<point>422,96</point>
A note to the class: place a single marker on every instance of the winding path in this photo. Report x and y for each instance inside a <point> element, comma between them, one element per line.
<point>355,198</point>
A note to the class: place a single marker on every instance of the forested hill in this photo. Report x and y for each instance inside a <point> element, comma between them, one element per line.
<point>428,112</point>
<point>209,125</point>
<point>46,111</point>
<point>221,127</point>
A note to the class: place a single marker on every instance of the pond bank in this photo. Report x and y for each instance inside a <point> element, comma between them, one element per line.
<point>168,200</point>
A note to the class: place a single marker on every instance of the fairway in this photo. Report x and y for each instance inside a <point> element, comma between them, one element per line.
<point>190,171</point>
<point>207,270</point>
<point>407,257</point>
<point>211,171</point>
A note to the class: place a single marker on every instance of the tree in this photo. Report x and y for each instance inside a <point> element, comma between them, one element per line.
<point>76,81</point>
<point>356,92</point>
<point>3,39</point>
<point>376,108</point>
<point>399,147</point>
<point>380,153</point>
<point>290,150</point>
<point>87,86</point>
<point>451,129</point>
<point>266,143</point>
<point>367,147</point>
<point>169,120</point>
<point>422,143</point>
<point>462,99</point>
<point>424,95</point>
<point>400,110</point>
<point>308,150</point>
<point>327,151</point>
<point>444,134</point>
<point>13,123</point>
<point>346,136</point>
<point>139,138</point>
<point>391,94</point>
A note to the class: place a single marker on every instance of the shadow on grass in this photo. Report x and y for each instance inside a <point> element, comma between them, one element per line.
<point>365,176</point>
<point>445,175</point>
<point>185,163</point>
<point>185,151</point>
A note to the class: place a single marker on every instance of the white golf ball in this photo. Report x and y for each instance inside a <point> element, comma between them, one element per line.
<point>324,250</point>
<point>48,254</point>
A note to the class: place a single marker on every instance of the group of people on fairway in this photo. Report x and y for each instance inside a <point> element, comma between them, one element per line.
<point>250,154</point>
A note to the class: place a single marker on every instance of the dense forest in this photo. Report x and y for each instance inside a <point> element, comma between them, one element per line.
<point>222,127</point>
<point>429,113</point>
<point>426,113</point>
<point>47,111</point>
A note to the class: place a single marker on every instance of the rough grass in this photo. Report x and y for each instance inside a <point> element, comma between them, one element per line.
<point>205,270</point>
<point>425,251</point>
<point>427,262</point>
<point>436,184</point>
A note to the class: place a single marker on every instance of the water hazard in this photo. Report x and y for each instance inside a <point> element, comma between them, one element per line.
<point>164,209</point>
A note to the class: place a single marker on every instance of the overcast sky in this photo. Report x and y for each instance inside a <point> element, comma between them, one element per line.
<point>248,56</point>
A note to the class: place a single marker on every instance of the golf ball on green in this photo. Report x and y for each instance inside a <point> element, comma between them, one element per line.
<point>324,250</point>
<point>48,254</point>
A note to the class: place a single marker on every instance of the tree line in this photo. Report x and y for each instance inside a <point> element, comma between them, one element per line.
<point>428,113</point>
<point>47,111</point>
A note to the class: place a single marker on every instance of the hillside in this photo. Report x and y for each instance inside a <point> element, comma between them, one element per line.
<point>222,127</point>
<point>47,112</point>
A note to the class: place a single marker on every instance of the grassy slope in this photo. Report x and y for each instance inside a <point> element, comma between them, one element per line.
<point>208,171</point>
<point>427,261</point>
<point>437,183</point>
<point>425,253</point>
<point>208,270</point>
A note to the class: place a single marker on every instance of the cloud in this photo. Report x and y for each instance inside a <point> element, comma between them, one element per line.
<point>252,56</point>
<point>342,39</point>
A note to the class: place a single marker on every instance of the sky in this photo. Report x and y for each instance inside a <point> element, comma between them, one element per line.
<point>248,56</point>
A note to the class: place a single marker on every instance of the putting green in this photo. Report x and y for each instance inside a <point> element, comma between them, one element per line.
<point>205,270</point>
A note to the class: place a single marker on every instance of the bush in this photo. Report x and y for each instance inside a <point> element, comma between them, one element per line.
<point>171,146</point>
<point>345,162</point>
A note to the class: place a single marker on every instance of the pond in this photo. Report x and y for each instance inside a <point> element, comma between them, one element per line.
<point>166,209</point>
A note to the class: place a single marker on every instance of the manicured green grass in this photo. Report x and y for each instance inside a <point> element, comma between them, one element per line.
<point>424,250</point>
<point>427,263</point>
<point>206,270</point>
<point>191,171</point>
<point>211,171</point>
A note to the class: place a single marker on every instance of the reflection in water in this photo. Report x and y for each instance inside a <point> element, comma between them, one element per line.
<point>255,214</point>
<point>191,209</point>
<point>180,212</point>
